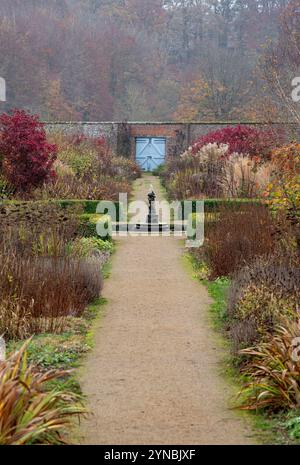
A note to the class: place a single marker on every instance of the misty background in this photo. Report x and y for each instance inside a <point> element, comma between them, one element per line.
<point>139,59</point>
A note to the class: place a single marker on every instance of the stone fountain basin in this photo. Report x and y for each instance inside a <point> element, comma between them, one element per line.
<point>149,227</point>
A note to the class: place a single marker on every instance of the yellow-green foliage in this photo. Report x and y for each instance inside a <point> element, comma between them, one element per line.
<point>62,169</point>
<point>285,194</point>
<point>261,305</point>
<point>284,191</point>
<point>81,161</point>
<point>85,246</point>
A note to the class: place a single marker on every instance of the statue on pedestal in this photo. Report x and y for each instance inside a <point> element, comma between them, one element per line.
<point>152,216</point>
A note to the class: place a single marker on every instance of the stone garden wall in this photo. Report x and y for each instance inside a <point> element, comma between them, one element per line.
<point>180,136</point>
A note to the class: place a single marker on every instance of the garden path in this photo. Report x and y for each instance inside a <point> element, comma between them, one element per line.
<point>154,375</point>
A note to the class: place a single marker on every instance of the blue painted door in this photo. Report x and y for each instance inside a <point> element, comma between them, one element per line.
<point>150,152</point>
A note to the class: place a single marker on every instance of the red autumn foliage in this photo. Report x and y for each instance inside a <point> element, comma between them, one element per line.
<point>100,141</point>
<point>242,139</point>
<point>27,157</point>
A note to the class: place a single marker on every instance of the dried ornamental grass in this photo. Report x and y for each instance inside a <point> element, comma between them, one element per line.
<point>244,177</point>
<point>195,175</point>
<point>240,234</point>
<point>38,294</point>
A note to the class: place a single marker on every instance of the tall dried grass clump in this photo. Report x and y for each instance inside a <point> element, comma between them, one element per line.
<point>244,177</point>
<point>196,175</point>
<point>38,294</point>
<point>238,235</point>
<point>41,285</point>
<point>70,187</point>
<point>214,172</point>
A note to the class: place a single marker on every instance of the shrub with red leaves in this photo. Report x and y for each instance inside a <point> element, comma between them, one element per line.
<point>242,139</point>
<point>27,157</point>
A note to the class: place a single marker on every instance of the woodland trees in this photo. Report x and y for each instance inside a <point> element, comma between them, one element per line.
<point>136,59</point>
<point>281,63</point>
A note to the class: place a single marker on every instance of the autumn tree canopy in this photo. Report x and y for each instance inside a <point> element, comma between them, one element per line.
<point>137,59</point>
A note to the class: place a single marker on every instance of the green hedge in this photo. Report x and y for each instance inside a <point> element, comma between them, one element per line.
<point>215,205</point>
<point>89,206</point>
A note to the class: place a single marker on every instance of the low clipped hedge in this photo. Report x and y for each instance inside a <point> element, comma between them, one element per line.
<point>35,211</point>
<point>88,206</point>
<point>215,205</point>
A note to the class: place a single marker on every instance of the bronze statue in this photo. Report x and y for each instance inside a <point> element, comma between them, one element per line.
<point>151,197</point>
<point>152,216</point>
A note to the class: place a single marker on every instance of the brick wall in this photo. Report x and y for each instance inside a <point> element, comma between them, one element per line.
<point>179,136</point>
<point>176,136</point>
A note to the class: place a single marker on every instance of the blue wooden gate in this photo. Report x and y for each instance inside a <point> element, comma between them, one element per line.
<point>150,152</point>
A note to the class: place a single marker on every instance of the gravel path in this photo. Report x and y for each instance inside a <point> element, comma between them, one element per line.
<point>154,374</point>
